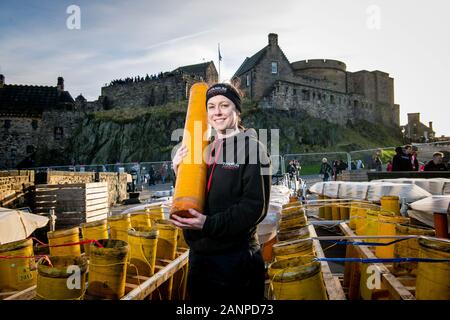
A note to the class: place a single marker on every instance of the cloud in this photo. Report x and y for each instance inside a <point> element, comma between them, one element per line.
<point>119,39</point>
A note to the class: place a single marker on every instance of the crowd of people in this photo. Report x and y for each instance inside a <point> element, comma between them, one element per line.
<point>163,174</point>
<point>331,171</point>
<point>406,159</point>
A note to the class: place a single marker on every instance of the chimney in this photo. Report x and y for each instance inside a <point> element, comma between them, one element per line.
<point>430,125</point>
<point>2,80</point>
<point>273,39</point>
<point>60,85</point>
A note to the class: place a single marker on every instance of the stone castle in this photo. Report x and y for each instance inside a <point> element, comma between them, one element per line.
<point>43,118</point>
<point>322,88</point>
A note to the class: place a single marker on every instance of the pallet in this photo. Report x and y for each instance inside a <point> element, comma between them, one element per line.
<point>73,203</point>
<point>138,287</point>
<point>392,287</point>
<point>151,284</point>
<point>332,284</point>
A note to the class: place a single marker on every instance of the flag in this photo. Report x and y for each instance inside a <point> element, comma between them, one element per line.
<point>220,56</point>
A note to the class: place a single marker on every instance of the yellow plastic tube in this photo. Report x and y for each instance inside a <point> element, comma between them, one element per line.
<point>190,185</point>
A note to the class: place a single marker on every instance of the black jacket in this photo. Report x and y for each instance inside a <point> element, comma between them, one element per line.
<point>431,166</point>
<point>401,162</point>
<point>238,198</point>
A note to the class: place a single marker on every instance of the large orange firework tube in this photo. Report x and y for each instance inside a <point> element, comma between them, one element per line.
<point>191,176</point>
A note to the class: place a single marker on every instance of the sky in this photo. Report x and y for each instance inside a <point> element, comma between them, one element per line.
<point>117,39</point>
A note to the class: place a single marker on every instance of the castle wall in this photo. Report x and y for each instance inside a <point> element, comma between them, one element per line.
<point>333,106</point>
<point>170,88</point>
<point>26,135</point>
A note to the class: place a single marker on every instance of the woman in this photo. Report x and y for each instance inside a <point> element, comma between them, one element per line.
<point>225,260</point>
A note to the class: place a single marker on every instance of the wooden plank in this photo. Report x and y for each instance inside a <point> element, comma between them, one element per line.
<point>97,190</point>
<point>95,207</point>
<point>93,196</point>
<point>97,217</point>
<point>96,201</point>
<point>95,213</point>
<point>26,294</point>
<point>96,184</point>
<point>334,289</point>
<point>395,287</point>
<point>3,295</point>
<point>146,288</point>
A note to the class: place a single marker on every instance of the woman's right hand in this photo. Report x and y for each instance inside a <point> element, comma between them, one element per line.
<point>178,158</point>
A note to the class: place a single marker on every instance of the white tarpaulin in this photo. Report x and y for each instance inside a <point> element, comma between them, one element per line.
<point>439,204</point>
<point>424,217</point>
<point>435,186</point>
<point>267,229</point>
<point>370,191</point>
<point>17,225</point>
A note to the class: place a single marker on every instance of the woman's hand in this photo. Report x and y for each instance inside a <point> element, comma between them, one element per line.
<point>178,158</point>
<point>194,223</point>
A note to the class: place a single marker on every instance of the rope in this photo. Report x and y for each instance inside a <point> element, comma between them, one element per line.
<point>382,260</point>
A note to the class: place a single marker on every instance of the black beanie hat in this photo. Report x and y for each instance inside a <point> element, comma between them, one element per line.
<point>227,90</point>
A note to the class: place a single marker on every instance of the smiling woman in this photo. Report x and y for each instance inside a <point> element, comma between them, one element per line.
<point>225,261</point>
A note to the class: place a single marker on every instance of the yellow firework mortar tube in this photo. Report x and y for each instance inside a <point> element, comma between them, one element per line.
<point>191,177</point>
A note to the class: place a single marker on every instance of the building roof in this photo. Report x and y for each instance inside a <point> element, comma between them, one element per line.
<point>249,63</point>
<point>23,99</point>
<point>199,68</point>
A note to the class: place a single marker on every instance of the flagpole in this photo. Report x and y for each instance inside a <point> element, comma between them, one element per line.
<point>218,47</point>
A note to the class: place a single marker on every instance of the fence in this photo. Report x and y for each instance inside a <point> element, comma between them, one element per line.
<point>309,162</point>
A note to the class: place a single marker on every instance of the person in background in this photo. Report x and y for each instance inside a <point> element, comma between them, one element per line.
<point>151,173</point>
<point>436,163</point>
<point>421,166</point>
<point>401,161</point>
<point>376,162</point>
<point>325,170</point>
<point>359,165</point>
<point>298,167</point>
<point>414,161</point>
<point>389,166</point>
<point>163,172</point>
<point>292,170</point>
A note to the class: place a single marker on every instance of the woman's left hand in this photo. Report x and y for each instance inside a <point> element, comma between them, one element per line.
<point>194,223</point>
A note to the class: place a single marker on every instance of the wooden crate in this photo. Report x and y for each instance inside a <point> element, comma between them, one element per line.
<point>392,287</point>
<point>332,284</point>
<point>140,287</point>
<point>73,203</point>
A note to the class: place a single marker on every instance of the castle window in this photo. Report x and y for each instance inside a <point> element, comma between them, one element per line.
<point>58,133</point>
<point>331,99</point>
<point>248,80</point>
<point>30,149</point>
<point>7,124</point>
<point>287,90</point>
<point>306,95</point>
<point>355,103</point>
<point>294,91</point>
<point>314,96</point>
<point>34,124</point>
<point>274,68</point>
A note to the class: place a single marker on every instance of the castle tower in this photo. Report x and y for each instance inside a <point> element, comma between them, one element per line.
<point>273,39</point>
<point>2,80</point>
<point>60,84</point>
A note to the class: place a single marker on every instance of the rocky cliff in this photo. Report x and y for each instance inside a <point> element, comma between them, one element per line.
<point>144,134</point>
